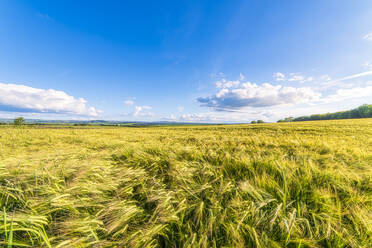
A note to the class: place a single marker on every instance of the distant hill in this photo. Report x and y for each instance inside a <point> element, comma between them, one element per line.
<point>99,122</point>
<point>364,111</point>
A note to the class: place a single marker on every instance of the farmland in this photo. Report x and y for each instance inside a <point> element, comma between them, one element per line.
<point>303,184</point>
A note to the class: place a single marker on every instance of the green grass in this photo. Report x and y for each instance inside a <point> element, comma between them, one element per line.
<point>266,185</point>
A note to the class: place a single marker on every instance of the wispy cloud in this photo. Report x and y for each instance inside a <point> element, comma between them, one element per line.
<point>223,83</point>
<point>368,37</point>
<point>21,98</point>
<point>334,83</point>
<point>180,108</point>
<point>129,102</point>
<point>345,94</point>
<point>367,65</point>
<point>241,77</point>
<point>358,75</point>
<point>292,77</point>
<point>297,77</point>
<point>325,78</point>
<point>45,17</point>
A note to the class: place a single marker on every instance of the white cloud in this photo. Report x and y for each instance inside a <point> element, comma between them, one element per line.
<point>170,118</point>
<point>21,98</point>
<point>235,117</point>
<point>180,108</point>
<point>279,76</point>
<point>336,82</point>
<point>368,37</point>
<point>199,117</point>
<point>129,102</point>
<point>358,75</point>
<point>297,77</point>
<point>325,78</point>
<point>242,101</point>
<point>367,65</point>
<point>139,111</point>
<point>252,95</point>
<point>292,77</point>
<point>241,77</point>
<point>271,114</point>
<point>223,83</point>
<point>344,94</point>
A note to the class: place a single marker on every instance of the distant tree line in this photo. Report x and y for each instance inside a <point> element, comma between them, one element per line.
<point>257,122</point>
<point>364,111</point>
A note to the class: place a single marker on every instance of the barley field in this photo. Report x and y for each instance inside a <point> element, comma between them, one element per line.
<point>304,184</point>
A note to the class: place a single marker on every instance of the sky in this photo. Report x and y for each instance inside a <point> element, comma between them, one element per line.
<point>189,61</point>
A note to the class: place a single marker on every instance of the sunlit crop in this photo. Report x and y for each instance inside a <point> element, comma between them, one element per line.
<point>265,185</point>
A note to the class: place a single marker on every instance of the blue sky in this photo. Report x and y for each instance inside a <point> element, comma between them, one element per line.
<point>204,61</point>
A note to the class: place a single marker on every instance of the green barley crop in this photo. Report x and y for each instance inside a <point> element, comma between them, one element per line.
<point>268,185</point>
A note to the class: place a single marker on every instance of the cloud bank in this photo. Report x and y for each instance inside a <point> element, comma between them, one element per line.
<point>240,100</point>
<point>21,98</point>
<point>234,95</point>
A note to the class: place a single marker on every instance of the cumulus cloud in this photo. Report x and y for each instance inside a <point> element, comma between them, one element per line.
<point>368,37</point>
<point>240,101</point>
<point>21,98</point>
<point>279,76</point>
<point>140,111</point>
<point>252,95</point>
<point>271,114</point>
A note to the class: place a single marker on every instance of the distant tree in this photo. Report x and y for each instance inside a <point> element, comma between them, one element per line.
<point>364,111</point>
<point>253,122</point>
<point>288,119</point>
<point>260,121</point>
<point>19,121</point>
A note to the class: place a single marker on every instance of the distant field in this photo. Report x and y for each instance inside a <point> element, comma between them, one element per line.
<point>267,185</point>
